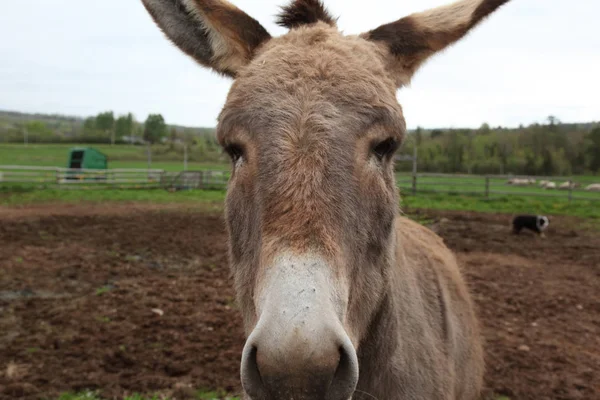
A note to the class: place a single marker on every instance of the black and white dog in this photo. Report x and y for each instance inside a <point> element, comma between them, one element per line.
<point>535,223</point>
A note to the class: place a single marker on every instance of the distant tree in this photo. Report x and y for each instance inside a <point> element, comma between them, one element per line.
<point>484,129</point>
<point>172,137</point>
<point>37,131</point>
<point>89,124</point>
<point>530,167</point>
<point>454,151</point>
<point>436,133</point>
<point>548,167</point>
<point>105,122</point>
<point>188,136</point>
<point>124,126</point>
<point>552,120</point>
<point>155,128</point>
<point>504,150</point>
<point>593,150</point>
<point>138,131</point>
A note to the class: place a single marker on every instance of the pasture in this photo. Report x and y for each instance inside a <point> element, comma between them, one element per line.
<point>128,156</point>
<point>119,156</point>
<point>127,292</point>
<point>496,185</point>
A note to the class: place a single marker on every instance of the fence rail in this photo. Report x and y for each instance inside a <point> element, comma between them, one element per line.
<point>499,185</point>
<point>53,177</point>
<point>482,185</point>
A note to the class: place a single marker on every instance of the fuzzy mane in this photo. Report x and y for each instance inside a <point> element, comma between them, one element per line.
<point>304,12</point>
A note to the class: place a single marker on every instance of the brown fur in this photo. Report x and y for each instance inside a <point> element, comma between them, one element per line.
<point>304,12</point>
<point>215,33</point>
<point>413,39</point>
<point>305,113</point>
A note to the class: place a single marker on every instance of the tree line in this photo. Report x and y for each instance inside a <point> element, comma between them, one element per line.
<point>103,128</point>
<point>551,148</point>
<point>109,128</point>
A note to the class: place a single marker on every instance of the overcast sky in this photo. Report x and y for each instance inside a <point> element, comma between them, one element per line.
<point>531,59</point>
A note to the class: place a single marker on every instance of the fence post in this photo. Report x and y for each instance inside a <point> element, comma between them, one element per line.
<point>185,157</point>
<point>487,187</point>
<point>149,155</point>
<point>414,184</point>
<point>414,170</point>
<point>570,191</point>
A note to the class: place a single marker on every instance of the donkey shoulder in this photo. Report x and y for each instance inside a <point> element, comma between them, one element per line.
<point>421,244</point>
<point>426,264</point>
<point>425,254</point>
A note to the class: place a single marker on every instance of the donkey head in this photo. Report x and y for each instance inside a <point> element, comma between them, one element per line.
<point>311,124</point>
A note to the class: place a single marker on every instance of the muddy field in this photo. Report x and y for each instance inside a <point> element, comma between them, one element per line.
<point>137,299</point>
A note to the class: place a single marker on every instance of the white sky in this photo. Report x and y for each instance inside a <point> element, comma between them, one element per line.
<point>531,59</point>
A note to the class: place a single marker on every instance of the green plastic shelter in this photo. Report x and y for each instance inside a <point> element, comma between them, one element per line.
<point>87,158</point>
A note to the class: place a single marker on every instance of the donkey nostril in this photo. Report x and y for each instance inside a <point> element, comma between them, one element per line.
<point>251,378</point>
<point>315,369</point>
<point>345,377</point>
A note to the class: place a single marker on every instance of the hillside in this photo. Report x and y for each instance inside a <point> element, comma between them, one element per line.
<point>551,148</point>
<point>56,128</point>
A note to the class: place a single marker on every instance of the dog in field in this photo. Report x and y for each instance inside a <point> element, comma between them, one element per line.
<point>535,223</point>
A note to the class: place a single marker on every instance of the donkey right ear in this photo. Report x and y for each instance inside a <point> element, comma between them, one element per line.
<point>410,41</point>
<point>213,32</point>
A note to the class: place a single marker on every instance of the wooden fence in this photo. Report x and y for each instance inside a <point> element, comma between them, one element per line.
<point>65,178</point>
<point>495,185</point>
<point>47,177</point>
<point>485,186</point>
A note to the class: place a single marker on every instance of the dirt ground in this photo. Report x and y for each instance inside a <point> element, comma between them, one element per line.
<point>138,299</point>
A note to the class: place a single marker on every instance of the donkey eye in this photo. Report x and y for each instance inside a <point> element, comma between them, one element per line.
<point>235,151</point>
<point>385,148</point>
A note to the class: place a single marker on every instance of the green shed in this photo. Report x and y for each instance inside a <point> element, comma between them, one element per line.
<point>87,158</point>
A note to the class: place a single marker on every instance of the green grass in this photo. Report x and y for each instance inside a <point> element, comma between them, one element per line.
<point>201,395</point>
<point>214,200</point>
<point>476,184</point>
<point>101,196</point>
<point>218,395</point>
<point>102,290</point>
<point>503,204</point>
<point>119,156</point>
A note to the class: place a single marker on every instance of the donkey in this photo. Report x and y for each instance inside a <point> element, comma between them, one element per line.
<point>342,298</point>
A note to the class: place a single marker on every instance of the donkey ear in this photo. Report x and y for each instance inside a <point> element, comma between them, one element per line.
<point>214,32</point>
<point>410,41</point>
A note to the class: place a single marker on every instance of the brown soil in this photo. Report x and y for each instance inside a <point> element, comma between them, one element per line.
<point>138,299</point>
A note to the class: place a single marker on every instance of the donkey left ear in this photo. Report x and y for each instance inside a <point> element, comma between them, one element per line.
<point>410,41</point>
<point>215,33</point>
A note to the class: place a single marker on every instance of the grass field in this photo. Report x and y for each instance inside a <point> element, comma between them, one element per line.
<point>92,396</point>
<point>476,185</point>
<point>462,193</point>
<point>119,156</point>
<point>126,156</point>
<point>214,200</point>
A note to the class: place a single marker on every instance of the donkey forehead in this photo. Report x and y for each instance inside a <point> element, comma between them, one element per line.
<point>316,74</point>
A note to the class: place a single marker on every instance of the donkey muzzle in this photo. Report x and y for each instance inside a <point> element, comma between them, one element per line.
<point>299,349</point>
